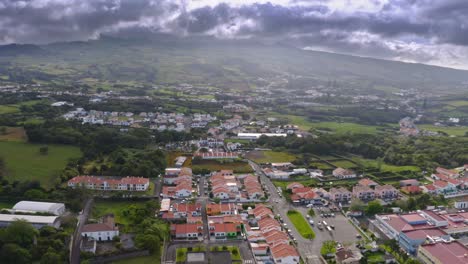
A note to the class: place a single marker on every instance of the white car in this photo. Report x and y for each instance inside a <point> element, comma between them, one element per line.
<point>309,205</point>
<point>311,222</point>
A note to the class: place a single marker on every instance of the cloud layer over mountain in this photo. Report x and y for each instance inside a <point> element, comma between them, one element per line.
<point>427,31</point>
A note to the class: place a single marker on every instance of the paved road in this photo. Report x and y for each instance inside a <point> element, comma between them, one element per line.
<point>82,218</point>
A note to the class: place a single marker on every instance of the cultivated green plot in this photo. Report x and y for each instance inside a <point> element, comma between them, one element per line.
<point>301,224</point>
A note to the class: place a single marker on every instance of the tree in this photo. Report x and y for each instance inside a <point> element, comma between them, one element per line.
<point>51,257</point>
<point>235,251</point>
<point>373,208</point>
<point>44,150</point>
<point>21,233</point>
<point>328,247</point>
<point>148,241</point>
<point>357,205</point>
<point>13,253</point>
<point>3,130</point>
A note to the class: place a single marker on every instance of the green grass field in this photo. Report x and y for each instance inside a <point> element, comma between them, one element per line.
<point>346,127</point>
<point>458,103</point>
<point>301,224</point>
<point>385,167</point>
<point>270,156</point>
<point>344,164</point>
<point>6,205</point>
<point>321,165</point>
<point>8,109</point>
<point>24,162</point>
<point>283,184</point>
<point>101,208</point>
<point>214,165</point>
<point>451,131</point>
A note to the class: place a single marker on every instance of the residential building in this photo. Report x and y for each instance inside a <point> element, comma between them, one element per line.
<point>386,192</point>
<point>221,209</point>
<point>285,254</point>
<point>217,155</point>
<point>340,195</point>
<point>367,183</point>
<point>364,193</point>
<point>410,182</point>
<point>138,184</point>
<point>186,231</point>
<point>341,173</point>
<point>104,231</point>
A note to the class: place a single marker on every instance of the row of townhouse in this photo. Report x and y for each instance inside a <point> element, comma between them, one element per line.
<point>129,183</point>
<point>178,183</point>
<point>304,195</point>
<point>243,188</point>
<point>180,211</point>
<point>448,182</point>
<point>269,239</point>
<point>367,190</point>
<point>223,227</point>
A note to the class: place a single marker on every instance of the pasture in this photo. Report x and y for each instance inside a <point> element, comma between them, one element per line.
<point>24,162</point>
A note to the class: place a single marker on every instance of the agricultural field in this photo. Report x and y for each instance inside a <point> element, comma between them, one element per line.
<point>344,164</point>
<point>14,108</point>
<point>24,162</point>
<point>321,165</point>
<point>301,224</point>
<point>214,165</point>
<point>269,156</point>
<point>384,167</point>
<point>451,131</point>
<point>346,127</point>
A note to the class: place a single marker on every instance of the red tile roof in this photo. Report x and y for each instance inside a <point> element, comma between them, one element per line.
<point>282,251</point>
<point>453,253</point>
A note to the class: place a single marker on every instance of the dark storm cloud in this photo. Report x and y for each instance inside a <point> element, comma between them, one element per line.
<point>304,22</point>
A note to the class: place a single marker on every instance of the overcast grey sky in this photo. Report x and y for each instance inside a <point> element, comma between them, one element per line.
<point>427,31</point>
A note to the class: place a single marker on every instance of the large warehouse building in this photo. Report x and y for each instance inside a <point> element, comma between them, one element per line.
<point>37,221</point>
<point>39,207</point>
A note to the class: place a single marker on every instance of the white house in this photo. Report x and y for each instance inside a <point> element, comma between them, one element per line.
<point>104,231</point>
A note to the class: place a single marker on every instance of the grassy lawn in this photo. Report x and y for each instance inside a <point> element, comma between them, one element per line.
<point>321,165</point>
<point>8,109</point>
<point>24,162</point>
<point>101,208</point>
<point>214,165</point>
<point>283,184</point>
<point>458,103</point>
<point>181,255</point>
<point>385,167</point>
<point>301,224</point>
<point>270,156</point>
<point>151,259</point>
<point>344,164</point>
<point>375,258</point>
<point>451,131</point>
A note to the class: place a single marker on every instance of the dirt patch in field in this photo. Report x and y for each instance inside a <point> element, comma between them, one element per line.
<point>13,134</point>
<point>255,154</point>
